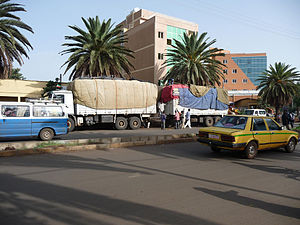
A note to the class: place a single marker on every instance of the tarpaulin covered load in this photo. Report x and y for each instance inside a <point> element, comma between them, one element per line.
<point>113,94</point>
<point>200,91</point>
<point>171,92</point>
<point>204,97</point>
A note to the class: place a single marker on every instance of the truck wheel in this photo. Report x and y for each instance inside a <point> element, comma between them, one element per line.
<point>209,121</point>
<point>71,124</point>
<point>134,123</point>
<point>251,150</point>
<point>290,147</point>
<point>121,123</point>
<point>46,134</point>
<point>217,118</point>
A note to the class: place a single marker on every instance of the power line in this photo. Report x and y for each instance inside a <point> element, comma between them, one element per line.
<point>240,18</point>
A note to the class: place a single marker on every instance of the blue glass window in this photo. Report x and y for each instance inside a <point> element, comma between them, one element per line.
<point>252,66</point>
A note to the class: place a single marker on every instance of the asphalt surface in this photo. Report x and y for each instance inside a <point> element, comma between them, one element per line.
<point>175,184</point>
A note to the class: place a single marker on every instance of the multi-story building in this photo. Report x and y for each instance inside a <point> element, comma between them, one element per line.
<point>149,35</point>
<point>241,73</point>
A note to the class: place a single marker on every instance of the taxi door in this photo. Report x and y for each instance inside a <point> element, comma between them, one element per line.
<point>278,136</point>
<point>261,133</point>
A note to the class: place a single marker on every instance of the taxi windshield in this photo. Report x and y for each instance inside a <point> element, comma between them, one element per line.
<point>234,122</point>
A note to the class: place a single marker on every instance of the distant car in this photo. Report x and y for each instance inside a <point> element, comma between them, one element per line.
<point>248,134</point>
<point>255,112</point>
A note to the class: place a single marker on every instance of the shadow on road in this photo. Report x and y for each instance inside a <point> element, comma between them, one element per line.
<point>289,173</point>
<point>234,196</point>
<point>26,198</point>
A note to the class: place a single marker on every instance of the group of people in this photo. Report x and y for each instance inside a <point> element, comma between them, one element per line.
<point>182,120</point>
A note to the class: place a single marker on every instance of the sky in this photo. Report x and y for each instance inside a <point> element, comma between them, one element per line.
<point>256,26</point>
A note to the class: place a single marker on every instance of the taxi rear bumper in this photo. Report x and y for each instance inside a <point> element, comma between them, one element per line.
<point>221,144</point>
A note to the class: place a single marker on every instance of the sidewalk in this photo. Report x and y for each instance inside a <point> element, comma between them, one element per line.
<point>37,147</point>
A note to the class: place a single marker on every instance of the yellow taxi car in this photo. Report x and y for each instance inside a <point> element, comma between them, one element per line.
<point>248,134</point>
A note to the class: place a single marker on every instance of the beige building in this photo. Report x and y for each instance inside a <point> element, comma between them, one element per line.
<point>19,90</point>
<point>150,34</point>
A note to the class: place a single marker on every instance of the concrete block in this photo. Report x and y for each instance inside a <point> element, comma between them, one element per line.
<point>151,142</point>
<point>152,138</point>
<point>116,140</point>
<point>102,146</point>
<point>104,140</point>
<point>89,147</point>
<point>75,148</point>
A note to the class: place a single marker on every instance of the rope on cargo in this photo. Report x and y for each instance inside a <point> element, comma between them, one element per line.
<point>96,95</point>
<point>116,97</point>
<point>147,95</point>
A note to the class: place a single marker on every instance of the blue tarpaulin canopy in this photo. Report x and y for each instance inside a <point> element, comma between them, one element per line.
<point>207,101</point>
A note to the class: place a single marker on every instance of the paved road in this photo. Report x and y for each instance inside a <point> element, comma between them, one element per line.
<point>174,184</point>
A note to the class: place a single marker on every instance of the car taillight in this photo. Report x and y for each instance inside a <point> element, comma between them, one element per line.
<point>203,134</point>
<point>228,138</point>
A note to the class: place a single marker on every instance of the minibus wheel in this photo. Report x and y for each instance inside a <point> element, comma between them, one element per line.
<point>46,134</point>
<point>71,124</point>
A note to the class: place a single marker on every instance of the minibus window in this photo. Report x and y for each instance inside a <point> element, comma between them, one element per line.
<point>47,111</point>
<point>15,111</point>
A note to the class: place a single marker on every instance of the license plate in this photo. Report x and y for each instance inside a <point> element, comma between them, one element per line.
<point>214,136</point>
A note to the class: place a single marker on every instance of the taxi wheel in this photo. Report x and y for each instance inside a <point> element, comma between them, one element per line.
<point>290,147</point>
<point>215,149</point>
<point>46,134</point>
<point>251,150</point>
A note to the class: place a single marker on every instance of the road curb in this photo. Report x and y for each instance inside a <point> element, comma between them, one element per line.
<point>40,147</point>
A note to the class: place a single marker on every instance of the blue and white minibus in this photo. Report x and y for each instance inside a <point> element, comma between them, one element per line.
<point>24,119</point>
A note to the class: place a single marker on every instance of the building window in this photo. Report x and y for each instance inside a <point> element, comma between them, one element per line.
<point>160,34</point>
<point>225,61</point>
<point>245,81</point>
<point>233,81</point>
<point>169,41</point>
<point>225,71</point>
<point>160,56</point>
<point>234,71</point>
<point>225,81</point>
<point>234,89</point>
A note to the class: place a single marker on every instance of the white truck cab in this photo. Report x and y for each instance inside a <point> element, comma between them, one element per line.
<point>65,97</point>
<point>255,112</point>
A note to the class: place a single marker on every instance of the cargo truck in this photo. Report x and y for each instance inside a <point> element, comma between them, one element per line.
<point>207,104</point>
<point>122,103</point>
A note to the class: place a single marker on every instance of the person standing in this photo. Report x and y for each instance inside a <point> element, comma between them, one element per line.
<point>177,119</point>
<point>163,120</point>
<point>291,119</point>
<point>188,119</point>
<point>182,118</point>
<point>285,119</point>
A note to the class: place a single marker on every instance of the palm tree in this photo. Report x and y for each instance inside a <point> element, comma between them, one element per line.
<point>98,51</point>
<point>193,61</point>
<point>13,44</point>
<point>16,74</point>
<point>278,85</point>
